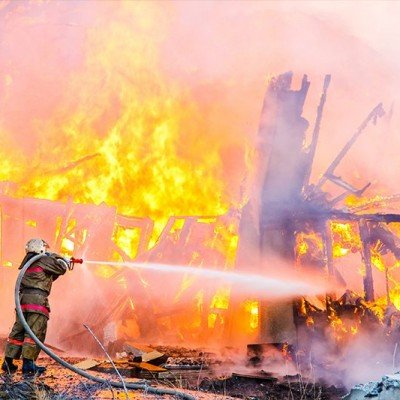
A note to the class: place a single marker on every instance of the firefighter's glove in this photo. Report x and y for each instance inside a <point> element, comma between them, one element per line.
<point>65,263</point>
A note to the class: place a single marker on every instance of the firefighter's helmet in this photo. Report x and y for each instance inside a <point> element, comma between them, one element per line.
<point>38,246</point>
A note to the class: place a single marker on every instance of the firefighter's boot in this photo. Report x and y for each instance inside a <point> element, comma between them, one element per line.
<point>30,368</point>
<point>8,365</point>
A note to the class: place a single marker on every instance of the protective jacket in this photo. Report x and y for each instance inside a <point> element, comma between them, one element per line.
<point>35,289</point>
<point>37,282</point>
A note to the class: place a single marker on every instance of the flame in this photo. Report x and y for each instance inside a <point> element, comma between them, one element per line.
<point>128,240</point>
<point>123,133</point>
<point>375,203</point>
<point>219,303</point>
<point>308,245</point>
<point>376,257</point>
<point>345,239</point>
<point>252,308</point>
<point>343,328</point>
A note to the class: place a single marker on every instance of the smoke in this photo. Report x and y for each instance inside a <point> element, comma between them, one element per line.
<point>119,102</point>
<point>365,357</point>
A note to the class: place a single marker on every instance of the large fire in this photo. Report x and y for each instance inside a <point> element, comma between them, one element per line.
<point>124,134</point>
<point>157,159</point>
<point>121,133</point>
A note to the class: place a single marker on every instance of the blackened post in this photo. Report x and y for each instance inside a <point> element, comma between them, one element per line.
<point>315,136</point>
<point>366,256</point>
<point>282,134</point>
<point>377,112</point>
<point>328,248</point>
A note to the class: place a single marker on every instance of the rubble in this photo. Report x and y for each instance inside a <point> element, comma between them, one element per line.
<point>186,363</point>
<point>266,388</point>
<point>259,353</point>
<point>139,353</point>
<point>386,389</point>
<point>203,383</point>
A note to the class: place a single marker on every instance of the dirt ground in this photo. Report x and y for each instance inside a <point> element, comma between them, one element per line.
<point>62,384</point>
<point>59,383</point>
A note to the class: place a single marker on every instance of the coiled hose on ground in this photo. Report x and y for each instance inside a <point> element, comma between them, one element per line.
<point>129,385</point>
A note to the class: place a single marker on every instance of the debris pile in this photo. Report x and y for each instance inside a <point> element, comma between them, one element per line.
<point>269,388</point>
<point>388,388</point>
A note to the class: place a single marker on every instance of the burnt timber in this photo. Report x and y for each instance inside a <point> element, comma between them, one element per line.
<point>288,203</point>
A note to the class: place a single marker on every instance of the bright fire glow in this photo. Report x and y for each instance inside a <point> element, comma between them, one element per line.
<point>121,130</point>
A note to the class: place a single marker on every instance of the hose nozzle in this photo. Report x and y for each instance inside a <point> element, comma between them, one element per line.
<point>73,261</point>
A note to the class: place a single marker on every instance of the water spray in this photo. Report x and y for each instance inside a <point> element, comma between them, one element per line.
<point>129,385</point>
<point>265,286</point>
<point>276,287</point>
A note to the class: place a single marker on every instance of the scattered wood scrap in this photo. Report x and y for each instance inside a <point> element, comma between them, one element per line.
<point>147,371</point>
<point>87,364</point>
<point>257,375</point>
<point>139,353</point>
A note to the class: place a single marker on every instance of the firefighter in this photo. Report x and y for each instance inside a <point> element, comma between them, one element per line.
<point>35,289</point>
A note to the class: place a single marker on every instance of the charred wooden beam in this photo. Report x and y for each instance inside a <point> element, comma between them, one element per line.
<point>386,218</point>
<point>282,134</point>
<point>377,112</point>
<point>366,256</point>
<point>317,126</point>
<point>328,251</point>
<point>315,215</point>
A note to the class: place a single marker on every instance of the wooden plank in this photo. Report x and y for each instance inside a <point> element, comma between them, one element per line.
<point>148,367</point>
<point>259,376</point>
<point>87,364</point>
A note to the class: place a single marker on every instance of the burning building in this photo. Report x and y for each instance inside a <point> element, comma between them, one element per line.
<point>299,221</point>
<point>286,218</point>
<point>147,166</point>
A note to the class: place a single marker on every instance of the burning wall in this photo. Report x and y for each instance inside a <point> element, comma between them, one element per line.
<point>99,233</point>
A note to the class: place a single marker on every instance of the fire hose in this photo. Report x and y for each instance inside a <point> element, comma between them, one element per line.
<point>129,385</point>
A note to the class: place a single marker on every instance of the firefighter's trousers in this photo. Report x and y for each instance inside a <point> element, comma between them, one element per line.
<point>20,343</point>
